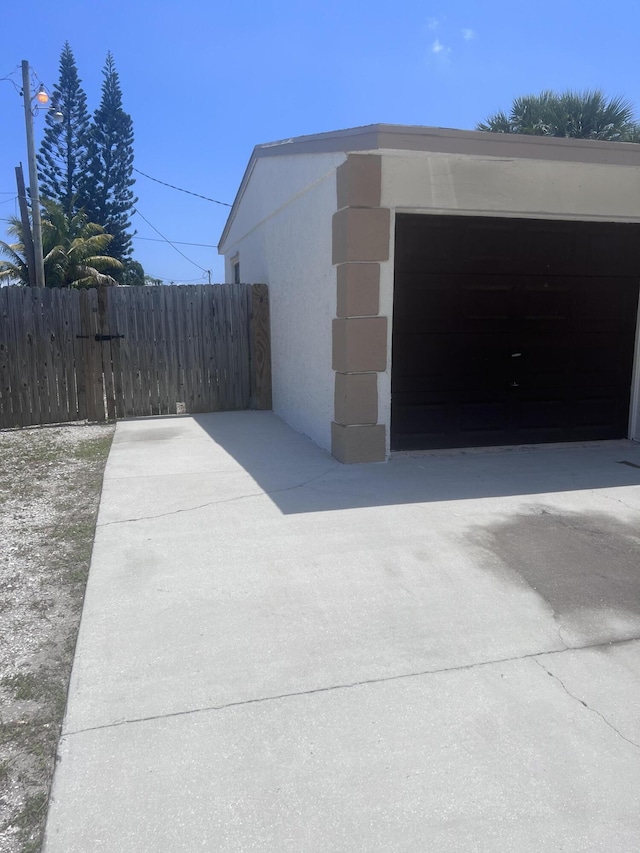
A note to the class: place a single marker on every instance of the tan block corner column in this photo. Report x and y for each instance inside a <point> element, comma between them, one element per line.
<point>361,234</point>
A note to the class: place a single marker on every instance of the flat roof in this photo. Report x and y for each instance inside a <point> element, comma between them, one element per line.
<point>374,137</point>
<point>474,143</point>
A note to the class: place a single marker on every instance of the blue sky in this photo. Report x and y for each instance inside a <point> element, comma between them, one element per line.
<point>204,82</point>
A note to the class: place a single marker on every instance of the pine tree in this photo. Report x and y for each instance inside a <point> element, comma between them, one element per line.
<point>62,159</point>
<point>106,188</point>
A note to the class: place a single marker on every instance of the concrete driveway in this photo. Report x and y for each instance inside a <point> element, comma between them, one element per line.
<point>281,653</point>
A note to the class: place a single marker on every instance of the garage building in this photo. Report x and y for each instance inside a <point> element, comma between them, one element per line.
<point>436,288</point>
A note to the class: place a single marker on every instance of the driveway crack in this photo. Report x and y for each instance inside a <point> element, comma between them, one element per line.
<point>585,705</point>
<point>216,503</point>
<point>615,500</point>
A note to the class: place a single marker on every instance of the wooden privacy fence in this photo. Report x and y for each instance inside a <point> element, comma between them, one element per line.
<point>119,352</point>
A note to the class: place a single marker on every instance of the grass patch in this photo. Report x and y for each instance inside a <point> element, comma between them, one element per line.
<point>93,451</point>
<point>25,686</point>
<point>42,686</point>
<point>50,486</point>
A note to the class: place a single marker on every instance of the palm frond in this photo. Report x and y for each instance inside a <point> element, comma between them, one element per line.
<point>583,115</point>
<point>13,251</point>
<point>88,276</point>
<point>104,262</point>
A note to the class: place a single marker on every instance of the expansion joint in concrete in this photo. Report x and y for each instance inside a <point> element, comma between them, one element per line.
<point>364,683</point>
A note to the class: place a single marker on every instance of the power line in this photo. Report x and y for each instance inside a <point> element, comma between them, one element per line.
<point>175,280</point>
<point>9,79</point>
<point>177,242</point>
<point>181,190</point>
<point>166,240</point>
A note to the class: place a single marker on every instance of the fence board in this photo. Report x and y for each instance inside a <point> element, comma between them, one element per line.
<point>13,345</point>
<point>141,357</point>
<point>136,356</point>
<point>219,349</point>
<point>116,350</point>
<point>64,309</point>
<point>144,360</point>
<point>190,375</point>
<point>237,345</point>
<point>179,326</point>
<point>228,336</point>
<point>159,347</point>
<point>172,350</point>
<point>36,354</point>
<point>95,387</point>
<point>57,361</point>
<point>245,330</point>
<point>151,360</point>
<point>127,326</point>
<point>52,349</point>
<point>233,348</point>
<point>171,356</point>
<point>160,350</point>
<point>105,357</point>
<point>13,339</point>
<point>6,400</point>
<point>202,390</point>
<point>208,354</point>
<point>36,360</point>
<point>260,347</point>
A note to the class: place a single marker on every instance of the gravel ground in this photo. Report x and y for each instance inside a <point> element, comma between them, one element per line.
<point>50,481</point>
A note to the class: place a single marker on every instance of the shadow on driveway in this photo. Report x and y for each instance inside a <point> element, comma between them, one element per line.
<point>283,461</point>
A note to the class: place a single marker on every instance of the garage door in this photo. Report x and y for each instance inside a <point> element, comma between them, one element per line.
<point>511,331</point>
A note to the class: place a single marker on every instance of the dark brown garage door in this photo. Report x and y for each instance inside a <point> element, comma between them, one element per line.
<point>511,331</point>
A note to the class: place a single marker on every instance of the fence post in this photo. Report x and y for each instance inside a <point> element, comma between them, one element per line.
<point>260,347</point>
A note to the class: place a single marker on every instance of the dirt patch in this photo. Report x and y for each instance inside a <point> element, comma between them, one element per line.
<point>50,482</point>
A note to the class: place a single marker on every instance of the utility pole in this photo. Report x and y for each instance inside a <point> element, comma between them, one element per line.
<point>26,227</point>
<point>33,178</point>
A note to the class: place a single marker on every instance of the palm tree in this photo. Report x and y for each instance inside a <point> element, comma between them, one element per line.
<point>73,251</point>
<point>581,115</point>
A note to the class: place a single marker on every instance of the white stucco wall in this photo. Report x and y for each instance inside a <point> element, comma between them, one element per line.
<point>282,234</point>
<point>419,182</point>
